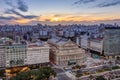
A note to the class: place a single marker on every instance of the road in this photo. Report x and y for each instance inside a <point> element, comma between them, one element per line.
<point>63,77</point>
<point>61,74</point>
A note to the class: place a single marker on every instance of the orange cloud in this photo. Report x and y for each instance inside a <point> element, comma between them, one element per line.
<point>23,21</point>
<point>74,18</point>
<point>51,18</point>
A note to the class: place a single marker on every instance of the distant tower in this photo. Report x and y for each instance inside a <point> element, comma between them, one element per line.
<point>77,40</point>
<point>17,39</point>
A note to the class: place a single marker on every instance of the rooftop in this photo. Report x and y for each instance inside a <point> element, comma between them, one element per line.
<point>58,41</point>
<point>36,44</point>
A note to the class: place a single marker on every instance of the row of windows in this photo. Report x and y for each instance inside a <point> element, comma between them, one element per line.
<point>21,52</point>
<point>39,50</point>
<point>16,58</point>
<point>70,57</point>
<point>10,47</point>
<point>17,50</point>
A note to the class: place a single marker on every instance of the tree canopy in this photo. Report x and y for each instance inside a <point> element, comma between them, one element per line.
<point>43,73</point>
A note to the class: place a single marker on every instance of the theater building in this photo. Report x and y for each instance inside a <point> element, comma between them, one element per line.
<point>65,53</point>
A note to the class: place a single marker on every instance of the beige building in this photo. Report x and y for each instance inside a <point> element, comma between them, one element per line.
<point>66,52</point>
<point>37,53</point>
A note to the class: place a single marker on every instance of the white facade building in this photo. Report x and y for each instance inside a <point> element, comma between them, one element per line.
<point>84,42</point>
<point>16,55</point>
<point>12,54</point>
<point>37,53</point>
<point>96,45</point>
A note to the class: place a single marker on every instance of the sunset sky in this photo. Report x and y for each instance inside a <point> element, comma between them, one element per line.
<point>59,11</point>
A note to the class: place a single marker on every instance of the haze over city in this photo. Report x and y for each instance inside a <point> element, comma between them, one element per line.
<point>59,11</point>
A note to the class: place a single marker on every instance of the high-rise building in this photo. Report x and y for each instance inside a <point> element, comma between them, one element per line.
<point>17,39</point>
<point>111,44</point>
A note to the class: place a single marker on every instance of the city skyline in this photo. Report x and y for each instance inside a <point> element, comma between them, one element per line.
<point>59,11</point>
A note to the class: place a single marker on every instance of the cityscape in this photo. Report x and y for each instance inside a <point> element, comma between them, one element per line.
<point>59,40</point>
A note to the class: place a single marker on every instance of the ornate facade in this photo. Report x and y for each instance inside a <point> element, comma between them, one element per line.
<point>65,53</point>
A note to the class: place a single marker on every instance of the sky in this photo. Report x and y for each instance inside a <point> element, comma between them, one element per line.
<point>59,11</point>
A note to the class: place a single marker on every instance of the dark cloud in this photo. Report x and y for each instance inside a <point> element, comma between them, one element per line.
<point>22,6</point>
<point>84,1</point>
<point>13,12</point>
<point>19,14</point>
<point>9,3</point>
<point>103,3</point>
<point>30,16</point>
<point>8,18</point>
<point>108,4</point>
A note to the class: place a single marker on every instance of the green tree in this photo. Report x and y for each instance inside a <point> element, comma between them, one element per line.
<point>12,62</point>
<point>2,73</point>
<point>43,73</point>
<point>19,61</point>
<point>100,78</point>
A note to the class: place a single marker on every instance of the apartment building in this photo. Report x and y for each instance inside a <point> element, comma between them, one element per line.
<point>16,55</point>
<point>12,54</point>
<point>2,55</point>
<point>37,53</point>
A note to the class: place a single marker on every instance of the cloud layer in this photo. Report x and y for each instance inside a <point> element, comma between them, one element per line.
<point>99,3</point>
<point>8,18</point>
<point>84,1</point>
<point>15,8</point>
<point>108,4</point>
<point>15,13</point>
<point>19,14</point>
<point>22,6</point>
<point>18,11</point>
